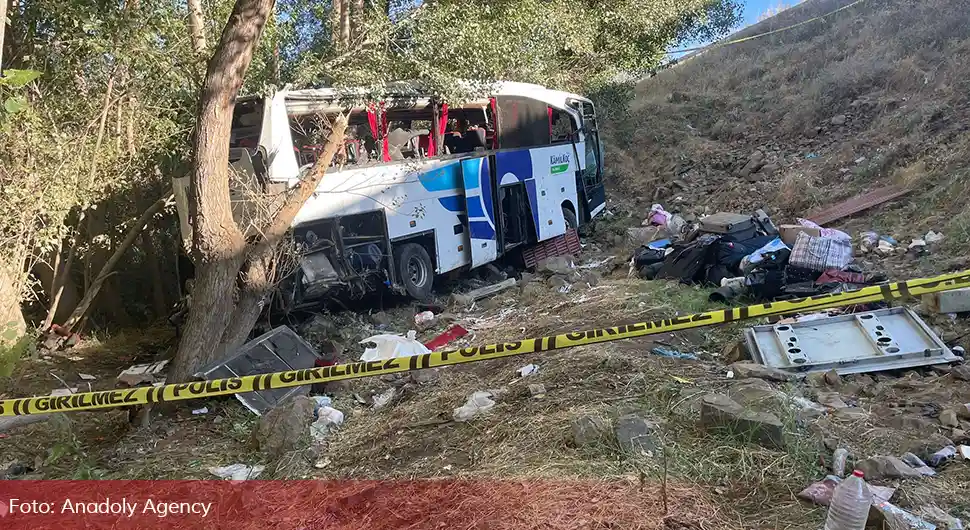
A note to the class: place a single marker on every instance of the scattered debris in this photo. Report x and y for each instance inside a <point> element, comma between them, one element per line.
<point>955,301</point>
<point>237,472</point>
<point>668,352</point>
<point>821,492</point>
<point>916,463</point>
<point>857,204</point>
<point>382,399</point>
<point>453,333</point>
<point>139,374</point>
<point>942,456</point>
<point>392,346</point>
<point>886,467</point>
<point>277,350</point>
<point>86,377</point>
<point>471,297</point>
<point>839,459</point>
<point>895,517</point>
<point>566,244</point>
<point>477,403</point>
<point>932,237</point>
<point>527,370</point>
<point>198,412</point>
<point>60,392</point>
<point>327,420</point>
<point>937,515</point>
<point>424,320</point>
<point>879,340</point>
<point>537,390</point>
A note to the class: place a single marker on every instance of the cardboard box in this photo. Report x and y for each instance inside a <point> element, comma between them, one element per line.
<point>788,233</point>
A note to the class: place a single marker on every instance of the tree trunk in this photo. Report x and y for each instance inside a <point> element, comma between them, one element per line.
<point>197,26</point>
<point>358,21</point>
<point>11,317</point>
<point>60,287</point>
<point>218,244</point>
<point>344,23</point>
<point>260,272</point>
<point>109,266</point>
<point>3,28</point>
<point>159,304</point>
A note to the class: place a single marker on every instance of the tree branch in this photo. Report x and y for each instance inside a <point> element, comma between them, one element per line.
<point>299,194</point>
<point>109,266</point>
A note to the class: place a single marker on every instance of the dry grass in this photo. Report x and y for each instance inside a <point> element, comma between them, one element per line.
<point>526,437</point>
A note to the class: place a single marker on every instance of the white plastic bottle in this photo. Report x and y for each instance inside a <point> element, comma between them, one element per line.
<point>849,508</point>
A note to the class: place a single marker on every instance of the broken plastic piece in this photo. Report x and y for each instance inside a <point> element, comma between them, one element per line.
<point>476,404</point>
<point>237,472</point>
<point>454,332</point>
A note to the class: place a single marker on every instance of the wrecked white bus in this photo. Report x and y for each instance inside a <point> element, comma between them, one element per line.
<point>420,188</point>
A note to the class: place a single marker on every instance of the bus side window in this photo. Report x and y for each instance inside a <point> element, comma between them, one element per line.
<point>522,122</point>
<point>562,128</point>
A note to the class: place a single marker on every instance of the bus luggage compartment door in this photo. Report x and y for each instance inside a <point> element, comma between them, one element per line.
<point>480,206</point>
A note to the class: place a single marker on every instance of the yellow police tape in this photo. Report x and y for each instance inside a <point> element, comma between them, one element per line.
<point>250,383</point>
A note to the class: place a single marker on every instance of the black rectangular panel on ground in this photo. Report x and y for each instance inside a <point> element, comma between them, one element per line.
<point>278,350</point>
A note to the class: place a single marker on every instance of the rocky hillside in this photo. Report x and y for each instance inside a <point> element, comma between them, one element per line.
<point>875,94</point>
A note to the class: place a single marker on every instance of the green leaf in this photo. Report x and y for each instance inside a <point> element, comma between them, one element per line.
<point>18,78</point>
<point>15,104</point>
<point>9,334</point>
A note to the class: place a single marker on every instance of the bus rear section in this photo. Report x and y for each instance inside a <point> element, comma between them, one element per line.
<point>419,188</point>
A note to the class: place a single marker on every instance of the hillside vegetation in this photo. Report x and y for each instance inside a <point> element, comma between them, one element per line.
<point>875,94</point>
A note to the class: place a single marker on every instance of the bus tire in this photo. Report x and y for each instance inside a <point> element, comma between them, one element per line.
<point>570,217</point>
<point>415,271</point>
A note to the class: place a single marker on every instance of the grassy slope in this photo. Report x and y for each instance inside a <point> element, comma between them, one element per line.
<point>896,68</point>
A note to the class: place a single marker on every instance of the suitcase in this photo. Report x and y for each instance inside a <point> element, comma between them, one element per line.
<point>737,226</point>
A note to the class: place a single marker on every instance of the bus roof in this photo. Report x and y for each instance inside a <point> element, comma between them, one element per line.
<point>408,94</point>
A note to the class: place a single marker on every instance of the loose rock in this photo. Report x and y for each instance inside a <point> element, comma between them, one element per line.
<point>961,372</point>
<point>721,413</point>
<point>427,376</point>
<point>555,265</point>
<point>838,119</point>
<point>635,435</point>
<point>744,370</point>
<point>284,428</point>
<point>757,394</point>
<point>831,400</point>
<point>590,430</point>
<point>537,390</point>
<point>886,467</point>
<point>949,418</point>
